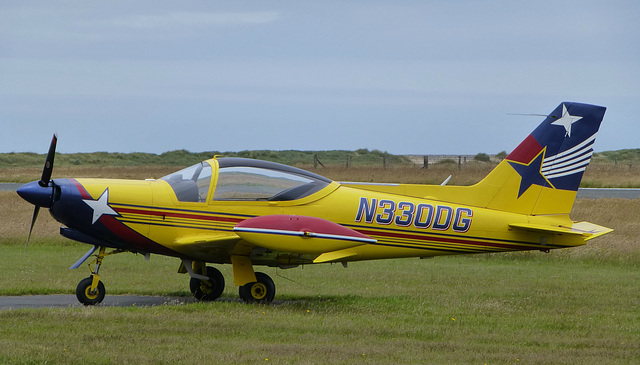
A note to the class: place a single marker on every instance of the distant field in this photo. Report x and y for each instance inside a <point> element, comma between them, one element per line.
<point>185,158</point>
<point>598,175</point>
<point>608,169</point>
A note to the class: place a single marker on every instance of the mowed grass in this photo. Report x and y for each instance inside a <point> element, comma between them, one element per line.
<point>474,309</point>
<point>569,306</point>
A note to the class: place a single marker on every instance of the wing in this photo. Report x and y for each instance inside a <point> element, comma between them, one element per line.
<point>301,234</point>
<point>214,247</point>
<point>295,234</point>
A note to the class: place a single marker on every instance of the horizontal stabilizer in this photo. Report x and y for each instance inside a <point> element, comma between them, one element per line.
<point>592,230</point>
<point>585,229</point>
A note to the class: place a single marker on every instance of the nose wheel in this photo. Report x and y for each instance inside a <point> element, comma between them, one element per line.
<point>90,291</point>
<point>88,296</point>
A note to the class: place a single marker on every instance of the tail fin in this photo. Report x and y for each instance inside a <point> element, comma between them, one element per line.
<point>542,175</point>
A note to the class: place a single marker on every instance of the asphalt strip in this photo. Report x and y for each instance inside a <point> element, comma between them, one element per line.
<point>70,301</point>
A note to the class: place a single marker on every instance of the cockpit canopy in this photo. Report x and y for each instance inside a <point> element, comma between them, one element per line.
<point>245,180</point>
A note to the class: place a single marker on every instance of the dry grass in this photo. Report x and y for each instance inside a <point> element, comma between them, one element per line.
<point>26,174</point>
<point>621,215</point>
<point>600,175</point>
<point>597,175</point>
<point>468,175</point>
<point>436,174</point>
<point>15,215</point>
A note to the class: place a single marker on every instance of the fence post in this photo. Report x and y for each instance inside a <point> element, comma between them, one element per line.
<point>425,164</point>
<point>459,162</point>
<point>384,162</point>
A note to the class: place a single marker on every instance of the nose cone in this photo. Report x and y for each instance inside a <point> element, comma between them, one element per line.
<point>36,194</point>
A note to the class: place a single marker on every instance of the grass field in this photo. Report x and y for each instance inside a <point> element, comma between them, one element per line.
<point>480,309</point>
<point>569,306</point>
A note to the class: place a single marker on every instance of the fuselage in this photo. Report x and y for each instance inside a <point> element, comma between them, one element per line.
<point>148,216</point>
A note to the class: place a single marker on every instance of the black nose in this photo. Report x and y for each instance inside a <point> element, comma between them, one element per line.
<point>36,194</point>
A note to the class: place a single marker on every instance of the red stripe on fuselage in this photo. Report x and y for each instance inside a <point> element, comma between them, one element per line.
<point>445,240</point>
<point>178,215</point>
<point>133,238</point>
<point>83,192</point>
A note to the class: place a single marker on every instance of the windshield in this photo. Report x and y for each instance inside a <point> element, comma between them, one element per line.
<point>251,183</point>
<point>191,184</point>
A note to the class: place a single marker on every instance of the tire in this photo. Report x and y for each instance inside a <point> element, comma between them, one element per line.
<point>262,292</point>
<point>84,294</point>
<point>208,289</point>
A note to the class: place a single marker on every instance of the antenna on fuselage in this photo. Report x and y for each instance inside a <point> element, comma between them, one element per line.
<point>446,181</point>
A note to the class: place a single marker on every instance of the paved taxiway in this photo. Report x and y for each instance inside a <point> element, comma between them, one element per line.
<point>68,301</point>
<point>593,193</point>
<point>9,186</point>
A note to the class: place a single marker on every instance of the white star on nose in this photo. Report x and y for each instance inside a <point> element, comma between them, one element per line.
<point>100,206</point>
<point>566,120</point>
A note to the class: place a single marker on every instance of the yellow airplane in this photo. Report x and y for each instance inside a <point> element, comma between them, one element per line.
<point>250,213</point>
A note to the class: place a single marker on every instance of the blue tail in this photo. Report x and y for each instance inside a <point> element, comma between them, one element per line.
<point>566,136</point>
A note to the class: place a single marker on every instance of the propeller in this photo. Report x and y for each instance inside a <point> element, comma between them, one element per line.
<point>33,222</point>
<point>48,163</point>
<point>44,183</point>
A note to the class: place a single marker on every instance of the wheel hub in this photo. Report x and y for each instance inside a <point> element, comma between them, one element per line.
<point>258,291</point>
<point>91,294</point>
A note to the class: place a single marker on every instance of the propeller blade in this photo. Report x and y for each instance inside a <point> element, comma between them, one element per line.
<point>48,164</point>
<point>33,222</point>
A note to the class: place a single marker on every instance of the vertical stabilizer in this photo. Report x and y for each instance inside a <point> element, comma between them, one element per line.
<point>542,175</point>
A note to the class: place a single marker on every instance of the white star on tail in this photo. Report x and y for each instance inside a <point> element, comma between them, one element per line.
<point>566,120</point>
<point>100,206</point>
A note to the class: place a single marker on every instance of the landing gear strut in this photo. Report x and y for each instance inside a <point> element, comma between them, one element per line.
<point>207,283</point>
<point>90,290</point>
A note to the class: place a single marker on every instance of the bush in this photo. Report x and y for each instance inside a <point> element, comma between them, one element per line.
<point>482,157</point>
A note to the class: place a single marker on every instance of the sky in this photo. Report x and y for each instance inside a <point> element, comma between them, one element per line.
<point>405,77</point>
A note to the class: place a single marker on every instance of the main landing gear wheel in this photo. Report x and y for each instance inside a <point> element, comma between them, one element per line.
<point>208,289</point>
<point>87,296</point>
<point>262,292</point>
